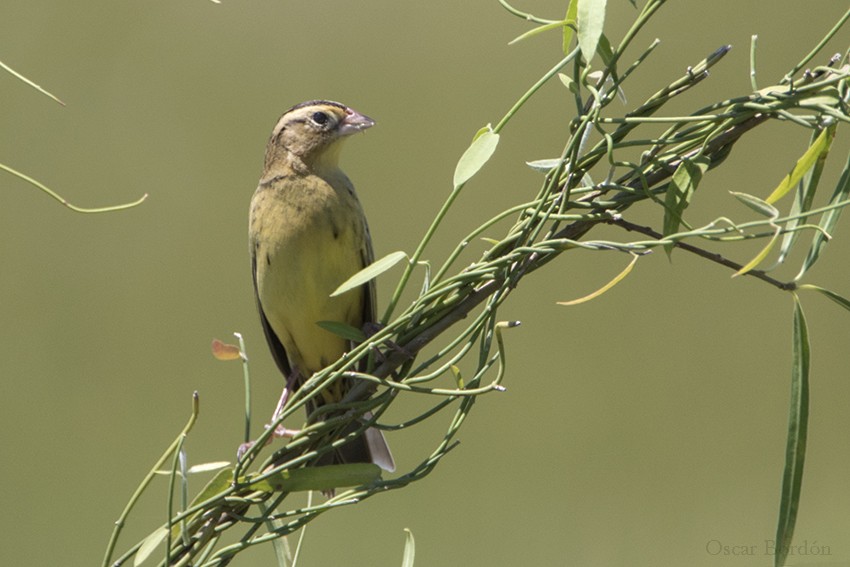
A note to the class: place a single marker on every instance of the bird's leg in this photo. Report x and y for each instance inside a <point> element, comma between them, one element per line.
<point>280,430</point>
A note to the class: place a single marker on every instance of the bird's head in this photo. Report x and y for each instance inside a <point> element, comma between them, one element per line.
<point>309,134</point>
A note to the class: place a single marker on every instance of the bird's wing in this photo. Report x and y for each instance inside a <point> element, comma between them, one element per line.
<point>278,352</point>
<point>370,302</point>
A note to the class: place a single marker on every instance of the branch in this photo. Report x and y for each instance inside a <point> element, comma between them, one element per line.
<point>711,256</point>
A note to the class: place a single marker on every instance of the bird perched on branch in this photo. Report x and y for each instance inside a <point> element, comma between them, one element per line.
<point>308,234</point>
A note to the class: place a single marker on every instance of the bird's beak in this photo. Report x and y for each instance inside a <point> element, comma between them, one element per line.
<point>354,122</point>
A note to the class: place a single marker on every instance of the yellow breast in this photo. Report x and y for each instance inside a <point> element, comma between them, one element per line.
<point>308,236</point>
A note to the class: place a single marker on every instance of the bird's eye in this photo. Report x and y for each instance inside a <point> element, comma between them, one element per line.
<point>320,118</point>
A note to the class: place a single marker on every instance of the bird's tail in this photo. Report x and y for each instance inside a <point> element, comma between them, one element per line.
<point>379,450</point>
<point>371,447</point>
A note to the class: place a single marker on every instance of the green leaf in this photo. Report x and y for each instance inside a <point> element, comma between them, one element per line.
<point>571,17</point>
<point>571,85</point>
<point>605,51</point>
<point>828,96</point>
<point>805,163</point>
<point>319,478</point>
<point>149,544</point>
<point>370,272</point>
<point>547,165</point>
<point>537,30</point>
<point>217,484</point>
<point>591,19</point>
<point>758,205</point>
<point>684,183</point>
<point>829,220</point>
<point>475,156</point>
<point>839,299</point>
<point>795,448</point>
<point>409,549</point>
<point>343,330</point>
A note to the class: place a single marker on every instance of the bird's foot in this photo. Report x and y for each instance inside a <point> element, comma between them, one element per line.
<point>370,329</point>
<point>279,432</point>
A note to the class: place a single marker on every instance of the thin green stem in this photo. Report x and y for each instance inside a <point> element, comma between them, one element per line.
<point>246,376</point>
<point>789,77</point>
<point>62,200</point>
<point>119,524</point>
<point>534,88</point>
<point>429,234</point>
<point>30,83</point>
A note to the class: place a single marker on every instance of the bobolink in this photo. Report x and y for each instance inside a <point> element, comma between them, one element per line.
<point>308,234</point>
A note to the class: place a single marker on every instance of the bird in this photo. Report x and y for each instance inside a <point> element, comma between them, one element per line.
<point>307,235</point>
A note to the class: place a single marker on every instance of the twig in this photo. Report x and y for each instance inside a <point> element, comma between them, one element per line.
<point>711,256</point>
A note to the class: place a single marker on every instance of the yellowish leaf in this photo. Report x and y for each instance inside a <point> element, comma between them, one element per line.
<point>605,287</point>
<point>759,257</point>
<point>819,147</point>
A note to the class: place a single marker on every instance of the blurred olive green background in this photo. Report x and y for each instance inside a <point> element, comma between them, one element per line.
<point>645,428</point>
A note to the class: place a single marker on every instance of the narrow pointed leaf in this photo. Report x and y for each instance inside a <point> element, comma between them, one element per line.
<point>804,164</point>
<point>571,85</point>
<point>547,165</point>
<point>222,481</point>
<point>605,287</point>
<point>544,165</point>
<point>571,17</point>
<point>217,484</point>
<point>759,257</point>
<point>829,220</point>
<point>475,156</point>
<point>839,299</point>
<point>343,330</point>
<point>149,545</point>
<point>685,181</point>
<point>606,52</point>
<point>537,30</point>
<point>409,549</point>
<point>370,272</point>
<point>795,449</point>
<point>758,205</point>
<point>591,19</point>
<point>802,203</point>
<point>828,96</point>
